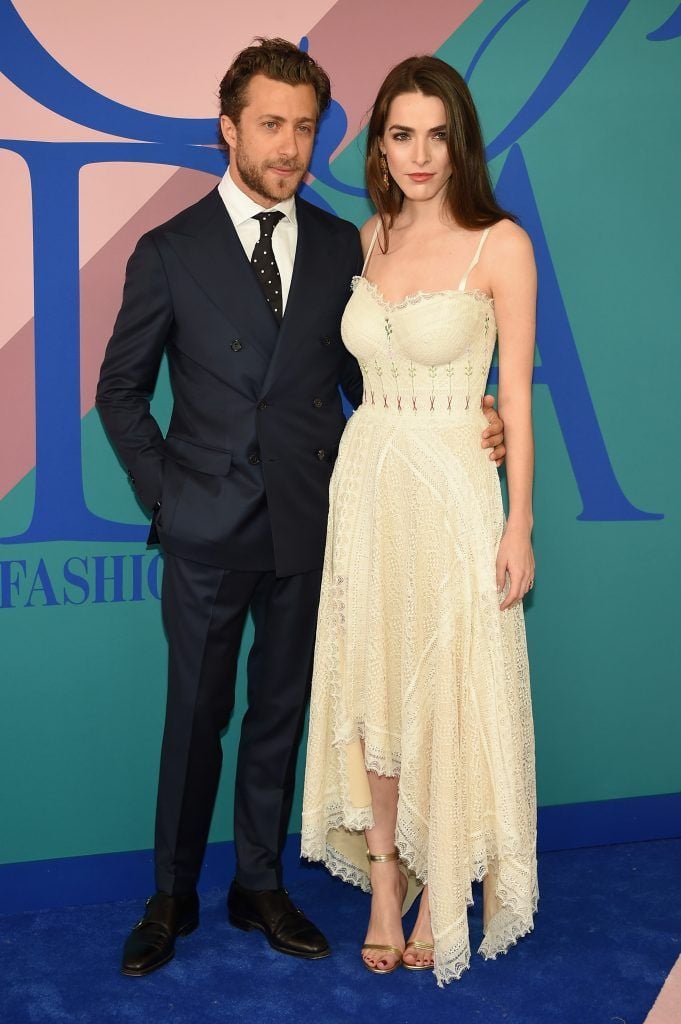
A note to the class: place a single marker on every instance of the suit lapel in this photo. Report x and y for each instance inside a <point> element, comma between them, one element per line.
<point>216,260</point>
<point>301,293</point>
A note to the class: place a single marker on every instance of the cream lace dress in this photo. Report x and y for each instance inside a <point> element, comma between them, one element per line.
<point>414,659</point>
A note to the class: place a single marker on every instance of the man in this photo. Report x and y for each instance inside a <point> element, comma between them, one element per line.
<point>244,291</point>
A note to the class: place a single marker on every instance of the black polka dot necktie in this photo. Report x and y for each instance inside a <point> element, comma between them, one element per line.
<point>264,263</point>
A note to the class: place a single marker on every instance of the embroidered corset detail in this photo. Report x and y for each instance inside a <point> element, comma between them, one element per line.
<point>454,330</point>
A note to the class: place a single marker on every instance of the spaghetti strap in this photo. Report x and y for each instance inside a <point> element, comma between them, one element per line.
<point>371,248</point>
<point>474,261</point>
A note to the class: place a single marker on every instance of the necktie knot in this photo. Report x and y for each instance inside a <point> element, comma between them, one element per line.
<point>268,221</point>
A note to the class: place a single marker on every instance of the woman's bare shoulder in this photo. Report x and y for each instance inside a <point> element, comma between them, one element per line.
<point>508,239</point>
<point>366,232</point>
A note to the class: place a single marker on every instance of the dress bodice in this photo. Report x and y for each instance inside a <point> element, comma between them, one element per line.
<point>428,354</point>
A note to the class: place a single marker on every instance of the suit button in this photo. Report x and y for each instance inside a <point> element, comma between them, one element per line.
<point>326,341</point>
<point>236,345</point>
<point>262,406</point>
<point>321,454</point>
<point>254,458</point>
<point>317,402</point>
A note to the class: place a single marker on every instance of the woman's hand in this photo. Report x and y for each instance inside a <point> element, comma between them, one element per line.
<point>515,560</point>
<point>493,435</point>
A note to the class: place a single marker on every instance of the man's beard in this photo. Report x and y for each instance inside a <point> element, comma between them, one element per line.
<point>254,178</point>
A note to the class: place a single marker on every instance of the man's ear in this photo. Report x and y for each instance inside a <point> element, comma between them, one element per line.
<point>228,129</point>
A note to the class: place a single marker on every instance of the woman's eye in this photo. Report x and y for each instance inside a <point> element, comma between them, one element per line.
<point>440,136</point>
<point>400,136</point>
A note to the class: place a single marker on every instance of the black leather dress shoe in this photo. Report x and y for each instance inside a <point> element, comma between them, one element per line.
<point>151,943</point>
<point>285,926</point>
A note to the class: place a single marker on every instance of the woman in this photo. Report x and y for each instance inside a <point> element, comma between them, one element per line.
<point>421,744</point>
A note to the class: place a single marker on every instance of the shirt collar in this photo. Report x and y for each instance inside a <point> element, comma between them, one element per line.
<point>241,207</point>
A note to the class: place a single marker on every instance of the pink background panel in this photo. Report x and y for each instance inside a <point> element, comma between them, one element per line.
<point>166,58</point>
<point>110,195</point>
<point>16,247</point>
<point>357,42</point>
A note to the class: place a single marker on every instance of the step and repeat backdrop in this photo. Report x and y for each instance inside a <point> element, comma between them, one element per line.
<point>107,127</point>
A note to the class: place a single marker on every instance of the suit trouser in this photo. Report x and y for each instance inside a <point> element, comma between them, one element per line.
<point>204,610</point>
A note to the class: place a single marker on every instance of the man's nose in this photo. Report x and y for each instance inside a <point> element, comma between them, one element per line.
<point>288,142</point>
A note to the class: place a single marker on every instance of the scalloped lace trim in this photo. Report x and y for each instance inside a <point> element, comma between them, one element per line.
<point>340,867</point>
<point>415,297</point>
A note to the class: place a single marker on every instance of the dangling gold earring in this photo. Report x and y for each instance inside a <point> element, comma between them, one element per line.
<point>383,164</point>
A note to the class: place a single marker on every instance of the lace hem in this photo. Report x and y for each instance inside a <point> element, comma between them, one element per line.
<point>504,930</point>
<point>512,921</point>
<point>342,868</point>
<point>334,861</point>
<point>450,964</point>
<point>378,760</point>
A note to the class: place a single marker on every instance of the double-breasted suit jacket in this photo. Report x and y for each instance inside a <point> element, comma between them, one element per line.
<point>241,479</point>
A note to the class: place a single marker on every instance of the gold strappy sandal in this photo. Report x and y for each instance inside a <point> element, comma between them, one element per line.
<point>381,858</point>
<point>415,944</point>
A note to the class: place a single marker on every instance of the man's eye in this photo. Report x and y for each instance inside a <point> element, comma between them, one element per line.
<point>270,124</point>
<point>305,128</point>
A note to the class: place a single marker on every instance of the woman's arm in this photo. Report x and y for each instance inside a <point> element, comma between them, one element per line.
<point>514,283</point>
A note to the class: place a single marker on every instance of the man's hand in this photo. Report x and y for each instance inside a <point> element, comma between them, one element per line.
<point>493,435</point>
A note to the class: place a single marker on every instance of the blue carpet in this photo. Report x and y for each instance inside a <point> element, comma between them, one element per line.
<point>607,933</point>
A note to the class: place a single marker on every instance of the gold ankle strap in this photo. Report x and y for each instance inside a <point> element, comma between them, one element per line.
<point>382,857</point>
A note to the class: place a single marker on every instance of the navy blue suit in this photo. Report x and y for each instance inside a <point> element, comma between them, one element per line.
<point>240,491</point>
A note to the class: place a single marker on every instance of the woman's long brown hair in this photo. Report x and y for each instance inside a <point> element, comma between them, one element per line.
<point>469,196</point>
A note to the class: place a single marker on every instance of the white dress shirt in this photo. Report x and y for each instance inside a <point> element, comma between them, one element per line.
<point>242,209</point>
